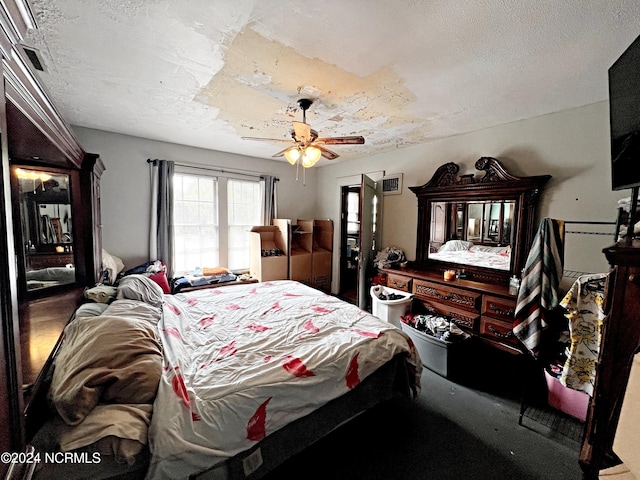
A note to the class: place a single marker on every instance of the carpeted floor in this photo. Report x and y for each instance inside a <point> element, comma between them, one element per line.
<point>467,429</point>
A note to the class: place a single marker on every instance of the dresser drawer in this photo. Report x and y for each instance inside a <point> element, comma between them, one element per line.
<point>399,282</point>
<point>39,261</point>
<point>462,318</point>
<point>498,330</point>
<point>446,294</point>
<point>497,307</point>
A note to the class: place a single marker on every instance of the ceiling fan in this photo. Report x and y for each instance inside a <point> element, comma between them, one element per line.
<point>307,146</point>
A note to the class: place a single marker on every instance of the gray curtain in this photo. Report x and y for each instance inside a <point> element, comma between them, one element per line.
<point>270,199</point>
<point>161,231</point>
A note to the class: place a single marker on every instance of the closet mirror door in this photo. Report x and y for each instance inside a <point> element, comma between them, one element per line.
<point>45,210</point>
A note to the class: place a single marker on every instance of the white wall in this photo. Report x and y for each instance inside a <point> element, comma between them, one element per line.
<point>125,186</point>
<point>572,146</point>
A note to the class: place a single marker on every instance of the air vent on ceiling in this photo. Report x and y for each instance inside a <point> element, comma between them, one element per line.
<point>34,57</point>
<point>392,184</point>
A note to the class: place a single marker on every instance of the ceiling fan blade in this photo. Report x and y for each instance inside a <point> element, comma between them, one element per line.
<point>302,132</point>
<point>279,140</point>
<point>328,154</point>
<point>282,152</point>
<point>354,140</point>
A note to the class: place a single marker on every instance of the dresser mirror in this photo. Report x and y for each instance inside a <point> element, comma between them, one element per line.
<point>480,226</point>
<point>484,230</point>
<point>47,233</point>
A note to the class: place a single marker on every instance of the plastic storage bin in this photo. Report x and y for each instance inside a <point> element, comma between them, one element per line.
<point>440,356</point>
<point>571,402</point>
<point>389,310</point>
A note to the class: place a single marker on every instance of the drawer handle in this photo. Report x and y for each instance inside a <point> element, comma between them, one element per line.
<point>435,293</point>
<point>398,284</point>
<point>496,333</point>
<point>464,323</point>
<point>633,278</point>
<point>457,320</point>
<point>504,313</point>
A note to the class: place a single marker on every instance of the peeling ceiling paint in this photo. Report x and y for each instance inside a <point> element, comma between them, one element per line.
<point>398,72</point>
<point>344,103</point>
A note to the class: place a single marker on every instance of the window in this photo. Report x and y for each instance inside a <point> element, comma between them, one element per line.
<point>243,205</point>
<point>212,215</point>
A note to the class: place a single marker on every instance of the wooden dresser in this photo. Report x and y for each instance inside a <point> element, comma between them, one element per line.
<point>483,309</point>
<point>36,261</point>
<point>620,341</point>
<point>456,208</point>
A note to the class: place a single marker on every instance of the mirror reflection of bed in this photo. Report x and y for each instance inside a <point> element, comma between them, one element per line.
<point>480,233</point>
<point>47,228</point>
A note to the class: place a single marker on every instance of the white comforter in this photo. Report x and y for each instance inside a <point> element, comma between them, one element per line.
<point>476,257</point>
<point>241,362</point>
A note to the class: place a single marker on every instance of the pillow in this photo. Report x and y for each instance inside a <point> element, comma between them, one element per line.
<point>455,246</point>
<point>141,288</point>
<point>90,310</point>
<point>161,279</point>
<point>105,359</point>
<point>135,310</point>
<point>100,293</point>
<point>112,265</point>
<point>486,248</point>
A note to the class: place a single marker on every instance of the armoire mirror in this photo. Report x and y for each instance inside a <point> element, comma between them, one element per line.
<point>482,225</point>
<point>44,202</point>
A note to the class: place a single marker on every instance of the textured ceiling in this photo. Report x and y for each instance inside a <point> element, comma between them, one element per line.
<point>399,72</point>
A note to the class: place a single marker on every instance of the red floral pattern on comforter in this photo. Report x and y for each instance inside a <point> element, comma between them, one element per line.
<point>241,362</point>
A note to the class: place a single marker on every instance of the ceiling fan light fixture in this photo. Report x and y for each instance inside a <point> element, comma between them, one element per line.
<point>292,155</point>
<point>304,150</point>
<point>311,156</point>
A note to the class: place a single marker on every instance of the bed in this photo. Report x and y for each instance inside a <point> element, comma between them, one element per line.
<point>468,253</point>
<point>50,276</point>
<point>224,382</point>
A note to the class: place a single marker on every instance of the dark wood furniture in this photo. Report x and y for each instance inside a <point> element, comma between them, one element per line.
<point>620,341</point>
<point>37,261</point>
<point>91,218</point>
<point>481,302</point>
<point>32,133</point>
<point>483,309</point>
<point>41,325</point>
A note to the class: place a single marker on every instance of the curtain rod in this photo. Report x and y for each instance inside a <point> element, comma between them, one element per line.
<point>213,169</point>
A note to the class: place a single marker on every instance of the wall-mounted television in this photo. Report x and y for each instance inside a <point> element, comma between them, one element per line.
<point>624,113</point>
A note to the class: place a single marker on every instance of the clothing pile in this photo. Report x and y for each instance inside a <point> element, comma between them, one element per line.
<point>437,326</point>
<point>390,257</point>
<point>201,277</point>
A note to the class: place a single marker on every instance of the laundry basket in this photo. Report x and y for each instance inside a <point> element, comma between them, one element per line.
<point>389,304</point>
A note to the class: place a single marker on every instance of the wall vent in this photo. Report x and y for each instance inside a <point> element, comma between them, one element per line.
<point>392,184</point>
<point>34,57</point>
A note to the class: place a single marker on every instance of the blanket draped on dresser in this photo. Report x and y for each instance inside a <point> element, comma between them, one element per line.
<point>541,277</point>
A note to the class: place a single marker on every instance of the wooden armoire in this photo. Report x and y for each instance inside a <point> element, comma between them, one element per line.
<point>32,133</point>
<point>620,341</point>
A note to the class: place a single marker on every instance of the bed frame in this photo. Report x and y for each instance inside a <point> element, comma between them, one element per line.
<point>388,382</point>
